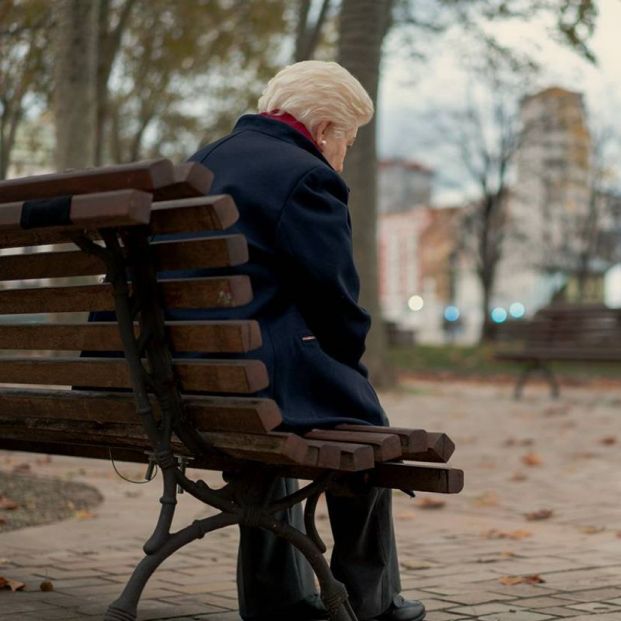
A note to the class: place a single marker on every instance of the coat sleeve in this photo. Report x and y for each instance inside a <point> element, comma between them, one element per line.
<point>314,241</point>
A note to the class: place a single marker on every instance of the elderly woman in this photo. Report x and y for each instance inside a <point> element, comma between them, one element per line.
<point>281,166</point>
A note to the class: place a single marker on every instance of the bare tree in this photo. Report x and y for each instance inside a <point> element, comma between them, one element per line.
<point>113,19</point>
<point>308,30</point>
<point>23,43</point>
<point>487,136</point>
<point>75,42</point>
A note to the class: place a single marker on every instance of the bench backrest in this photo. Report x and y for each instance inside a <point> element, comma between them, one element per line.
<point>576,326</point>
<point>46,297</point>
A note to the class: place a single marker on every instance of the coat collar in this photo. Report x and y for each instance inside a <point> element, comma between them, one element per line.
<point>280,130</point>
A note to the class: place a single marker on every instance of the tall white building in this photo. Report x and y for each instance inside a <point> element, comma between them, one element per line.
<point>550,200</point>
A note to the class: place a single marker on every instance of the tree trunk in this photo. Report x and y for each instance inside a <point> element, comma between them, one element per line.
<point>488,327</point>
<point>363,26</point>
<point>75,39</point>
<point>307,34</point>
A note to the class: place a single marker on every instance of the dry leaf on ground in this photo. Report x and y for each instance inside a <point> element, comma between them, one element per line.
<point>541,514</point>
<point>518,476</point>
<point>519,442</point>
<point>593,530</point>
<point>24,467</point>
<point>8,504</point>
<point>430,503</point>
<point>46,585</point>
<point>415,566</point>
<point>494,533</point>
<point>512,580</point>
<point>83,514</point>
<point>14,585</point>
<point>487,499</point>
<point>532,459</point>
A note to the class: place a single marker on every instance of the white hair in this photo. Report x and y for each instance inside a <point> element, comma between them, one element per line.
<point>315,91</point>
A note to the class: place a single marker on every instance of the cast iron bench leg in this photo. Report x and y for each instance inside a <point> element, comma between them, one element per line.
<point>242,502</point>
<point>554,386</point>
<point>523,377</point>
<point>531,367</point>
<point>125,607</point>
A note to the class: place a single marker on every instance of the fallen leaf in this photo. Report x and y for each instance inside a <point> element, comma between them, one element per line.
<point>405,515</point>
<point>24,467</point>
<point>531,459</point>
<point>487,499</point>
<point>430,503</point>
<point>8,504</point>
<point>512,580</point>
<point>593,530</point>
<point>514,534</point>
<point>14,585</point>
<point>541,514</point>
<point>46,585</point>
<point>414,566</point>
<point>83,514</point>
<point>558,410</point>
<point>518,476</point>
<point>519,442</point>
<point>608,440</point>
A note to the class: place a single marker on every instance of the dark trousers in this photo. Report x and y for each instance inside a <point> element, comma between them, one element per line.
<point>272,575</point>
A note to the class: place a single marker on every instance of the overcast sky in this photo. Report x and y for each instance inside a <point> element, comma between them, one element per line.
<point>412,91</point>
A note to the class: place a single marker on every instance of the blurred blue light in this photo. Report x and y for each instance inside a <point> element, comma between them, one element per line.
<point>499,315</point>
<point>517,310</point>
<point>451,313</point>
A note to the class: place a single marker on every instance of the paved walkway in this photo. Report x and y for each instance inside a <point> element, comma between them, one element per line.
<point>558,459</point>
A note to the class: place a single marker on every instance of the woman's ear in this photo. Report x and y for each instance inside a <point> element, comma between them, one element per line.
<point>320,132</point>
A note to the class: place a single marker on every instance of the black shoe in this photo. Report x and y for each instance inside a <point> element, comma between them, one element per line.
<point>307,609</point>
<point>403,610</point>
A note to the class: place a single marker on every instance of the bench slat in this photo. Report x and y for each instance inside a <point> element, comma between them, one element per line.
<point>439,449</point>
<point>146,176</point>
<point>207,413</point>
<point>236,376</point>
<point>218,292</point>
<point>225,251</point>
<point>90,211</point>
<point>385,446</point>
<point>412,440</point>
<point>184,336</point>
<point>418,477</point>
<point>190,179</point>
<point>353,457</point>
<point>205,213</point>
<point>272,448</point>
<point>323,455</point>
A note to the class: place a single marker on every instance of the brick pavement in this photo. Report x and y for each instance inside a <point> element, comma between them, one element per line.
<point>520,458</point>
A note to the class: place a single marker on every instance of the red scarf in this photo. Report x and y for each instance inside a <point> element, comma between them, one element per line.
<point>289,119</point>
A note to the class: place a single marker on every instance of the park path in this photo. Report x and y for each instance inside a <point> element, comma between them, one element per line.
<point>558,461</point>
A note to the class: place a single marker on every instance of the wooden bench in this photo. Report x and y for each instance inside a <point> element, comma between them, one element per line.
<point>564,332</point>
<point>178,407</point>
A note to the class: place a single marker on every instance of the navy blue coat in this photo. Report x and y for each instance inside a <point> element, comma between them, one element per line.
<point>293,212</point>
